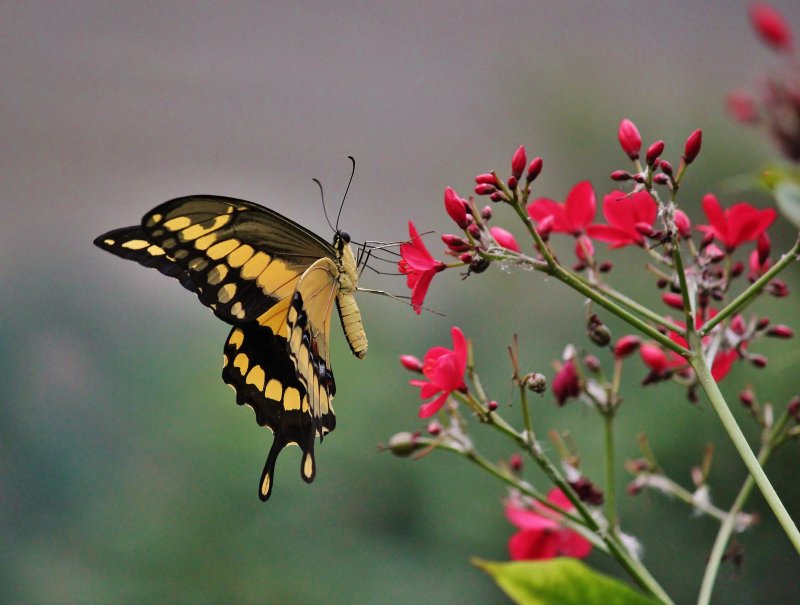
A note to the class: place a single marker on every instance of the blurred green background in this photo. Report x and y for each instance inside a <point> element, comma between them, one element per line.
<point>128,474</point>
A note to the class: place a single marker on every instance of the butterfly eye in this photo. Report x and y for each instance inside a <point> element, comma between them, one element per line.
<point>344,236</point>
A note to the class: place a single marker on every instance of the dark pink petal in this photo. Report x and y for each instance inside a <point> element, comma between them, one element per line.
<point>533,545</point>
<point>557,497</point>
<point>420,290</point>
<point>505,239</point>
<point>426,410</point>
<point>771,26</point>
<point>580,206</point>
<point>545,208</point>
<point>723,363</point>
<point>459,347</point>
<point>525,518</point>
<point>653,357</point>
<point>616,237</point>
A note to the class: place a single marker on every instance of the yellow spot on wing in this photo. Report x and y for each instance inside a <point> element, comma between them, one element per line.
<point>217,251</point>
<point>277,280</point>
<point>205,241</point>
<point>274,390</point>
<point>291,399</point>
<point>240,256</point>
<point>156,250</point>
<point>255,265</point>
<point>198,264</point>
<point>237,338</point>
<point>154,219</point>
<point>241,362</point>
<point>136,244</point>
<point>265,485</point>
<point>256,377</point>
<point>178,223</point>
<point>204,228</point>
<point>109,242</point>
<point>226,293</point>
<point>217,274</point>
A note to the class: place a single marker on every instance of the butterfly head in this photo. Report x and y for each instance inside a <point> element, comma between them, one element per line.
<point>341,239</point>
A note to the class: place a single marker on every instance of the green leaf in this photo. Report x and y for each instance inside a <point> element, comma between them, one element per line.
<point>787,196</point>
<point>560,581</point>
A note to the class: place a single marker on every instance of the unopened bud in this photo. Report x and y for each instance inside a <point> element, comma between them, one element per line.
<point>434,428</point>
<point>411,363</point>
<point>466,258</point>
<point>793,408</point>
<point>456,243</point>
<point>737,269</point>
<point>621,175</point>
<point>605,266</point>
<point>645,229</point>
<point>738,325</point>
<point>629,139</point>
<point>780,331</point>
<point>626,345</point>
<point>492,405</point>
<point>771,26</point>
<point>592,363</point>
<point>515,462</point>
<point>454,206</point>
<point>474,230</point>
<point>536,382</point>
<point>666,167</point>
<point>485,189</point>
<point>512,182</point>
<point>587,491</point>
<point>403,445</point>
<point>762,323</point>
<point>661,179</point>
<point>486,213</point>
<point>747,397</point>
<point>759,361</point>
<point>633,488</point>
<point>692,148</point>
<point>534,169</point>
<point>486,179</point>
<point>778,288</point>
<point>497,196</point>
<point>518,162</point>
<point>655,150</point>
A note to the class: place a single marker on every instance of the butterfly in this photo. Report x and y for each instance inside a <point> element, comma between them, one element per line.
<point>276,283</point>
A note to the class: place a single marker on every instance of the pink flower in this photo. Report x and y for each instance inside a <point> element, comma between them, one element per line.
<point>626,214</point>
<point>444,369</point>
<point>573,216</point>
<point>540,534</point>
<point>738,224</point>
<point>418,266</point>
<point>771,26</point>
<point>504,238</point>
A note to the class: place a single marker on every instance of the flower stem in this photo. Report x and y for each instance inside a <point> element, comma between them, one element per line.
<point>611,492</point>
<point>745,297</point>
<point>711,389</point>
<point>729,522</point>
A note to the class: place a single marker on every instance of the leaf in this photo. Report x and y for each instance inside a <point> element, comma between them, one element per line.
<point>787,196</point>
<point>561,581</point>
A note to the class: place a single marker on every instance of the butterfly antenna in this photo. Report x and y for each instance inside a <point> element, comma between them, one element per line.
<point>324,210</point>
<point>344,197</point>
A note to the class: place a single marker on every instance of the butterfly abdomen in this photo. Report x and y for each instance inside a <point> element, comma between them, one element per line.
<point>351,323</point>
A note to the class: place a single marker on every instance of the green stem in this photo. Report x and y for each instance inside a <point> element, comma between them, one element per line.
<point>640,309</point>
<point>611,492</point>
<point>711,389</point>
<point>745,297</point>
<point>688,311</point>
<point>729,522</point>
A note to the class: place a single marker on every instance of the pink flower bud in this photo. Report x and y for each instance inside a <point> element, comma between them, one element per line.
<point>486,213</point>
<point>455,243</point>
<point>492,406</point>
<point>512,182</point>
<point>486,179</point>
<point>762,323</point>
<point>545,226</point>
<point>504,238</point>
<point>515,462</point>
<point>793,408</point>
<point>661,179</point>
<point>780,331</point>
<point>653,357</point>
<point>434,428</point>
<point>714,253</point>
<point>411,363</point>
<point>474,230</point>
<point>771,26</point>
<point>666,167</point>
<point>742,107</point>
<point>692,147</point>
<point>778,288</point>
<point>626,345</point>
<point>584,249</point>
<point>465,258</point>
<point>621,175</point>
<point>645,229</point>
<point>655,150</point>
<point>454,206</point>
<point>738,325</point>
<point>497,196</point>
<point>672,300</point>
<point>606,266</point>
<point>592,363</point>
<point>737,269</point>
<point>629,139</point>
<point>518,163</point>
<point>747,398</point>
<point>683,224</point>
<point>485,189</point>
<point>534,169</point>
<point>759,361</point>
<point>763,247</point>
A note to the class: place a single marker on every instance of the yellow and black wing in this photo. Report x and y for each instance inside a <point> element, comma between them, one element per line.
<point>277,283</point>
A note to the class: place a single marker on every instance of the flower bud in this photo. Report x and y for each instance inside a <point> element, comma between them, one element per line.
<point>738,325</point>
<point>626,345</point>
<point>771,26</point>
<point>497,196</point>
<point>672,300</point>
<point>762,323</point>
<point>621,175</point>
<point>737,269</point>
<point>512,182</point>
<point>587,491</point>
<point>742,107</point>
<point>605,266</point>
<point>486,213</point>
<point>434,428</point>
<point>455,243</point>
<point>536,382</point>
<point>492,405</point>
<point>655,150</point>
<point>518,162</point>
<point>692,147</point>
<point>466,258</point>
<point>474,230</point>
<point>403,444</point>
<point>661,179</point>
<point>485,189</point>
<point>505,239</point>
<point>592,363</point>
<point>683,224</point>
<point>747,398</point>
<point>653,357</point>
<point>629,139</point>
<point>411,363</point>
<point>633,488</point>
<point>759,361</point>
<point>486,179</point>
<point>666,167</point>
<point>584,248</point>
<point>534,169</point>
<point>515,462</point>
<point>778,288</point>
<point>780,331</point>
<point>644,228</point>
<point>763,248</point>
<point>793,408</point>
<point>566,383</point>
<point>454,206</point>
